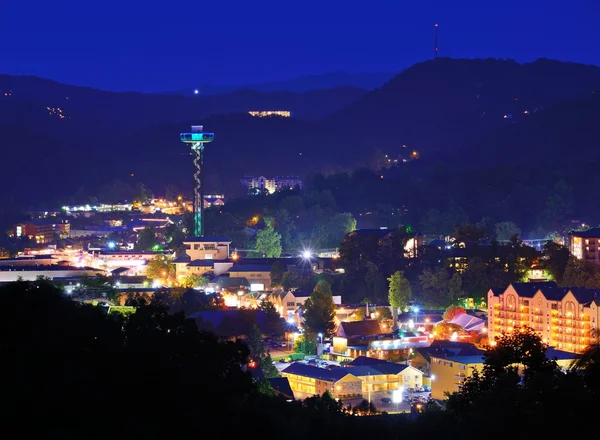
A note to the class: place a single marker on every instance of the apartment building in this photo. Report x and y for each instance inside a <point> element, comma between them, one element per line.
<point>565,318</point>
<point>584,245</point>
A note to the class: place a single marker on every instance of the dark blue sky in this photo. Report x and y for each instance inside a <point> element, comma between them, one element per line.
<point>166,45</point>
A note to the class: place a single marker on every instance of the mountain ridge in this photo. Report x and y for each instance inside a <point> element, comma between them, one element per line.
<point>450,111</point>
<point>367,81</point>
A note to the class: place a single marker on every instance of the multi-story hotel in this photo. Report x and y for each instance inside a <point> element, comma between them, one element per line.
<point>584,245</point>
<point>565,317</point>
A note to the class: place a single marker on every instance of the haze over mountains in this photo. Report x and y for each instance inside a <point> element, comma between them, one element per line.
<point>366,81</point>
<point>465,113</point>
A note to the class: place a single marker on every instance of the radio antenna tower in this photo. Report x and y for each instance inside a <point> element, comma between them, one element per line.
<point>196,139</point>
<point>435,40</point>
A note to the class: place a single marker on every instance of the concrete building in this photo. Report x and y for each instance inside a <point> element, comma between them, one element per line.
<point>207,248</point>
<point>204,255</point>
<point>584,245</point>
<point>565,318</point>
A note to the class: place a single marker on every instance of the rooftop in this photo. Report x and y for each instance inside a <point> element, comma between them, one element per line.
<point>250,268</point>
<point>281,385</point>
<point>372,366</point>
<point>232,282</point>
<point>213,239</point>
<point>26,258</point>
<point>201,263</point>
<point>301,369</point>
<point>360,328</point>
<point>590,233</point>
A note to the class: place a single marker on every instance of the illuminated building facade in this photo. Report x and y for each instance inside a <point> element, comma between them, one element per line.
<point>278,183</point>
<point>267,113</point>
<point>564,317</point>
<point>360,377</point>
<point>584,245</point>
<point>43,231</point>
<point>449,370</point>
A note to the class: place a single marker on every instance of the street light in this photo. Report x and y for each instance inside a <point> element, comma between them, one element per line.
<point>320,335</point>
<point>397,397</point>
<point>416,311</point>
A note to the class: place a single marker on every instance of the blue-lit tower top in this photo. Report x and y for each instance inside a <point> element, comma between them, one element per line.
<point>197,138</point>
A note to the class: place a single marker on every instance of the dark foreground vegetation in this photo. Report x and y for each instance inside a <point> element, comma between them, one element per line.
<point>71,371</point>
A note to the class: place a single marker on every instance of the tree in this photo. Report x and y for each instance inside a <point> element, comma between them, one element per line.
<point>306,343</point>
<point>579,273</point>
<point>146,239</point>
<point>277,274</point>
<point>452,312</point>
<point>171,192</point>
<point>446,330</point>
<point>273,323</point>
<point>291,279</point>
<point>142,194</point>
<point>319,310</point>
<point>505,231</point>
<point>174,235</point>
<point>149,346</point>
<point>375,282</point>
<point>468,235</point>
<point>98,285</point>
<point>399,294</point>
<point>194,281</point>
<point>161,267</point>
<point>556,261</point>
<point>260,354</point>
<point>436,287</point>
<point>475,278</point>
<point>268,242</point>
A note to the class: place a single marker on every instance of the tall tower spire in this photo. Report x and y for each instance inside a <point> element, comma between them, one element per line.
<point>435,40</point>
<point>196,139</point>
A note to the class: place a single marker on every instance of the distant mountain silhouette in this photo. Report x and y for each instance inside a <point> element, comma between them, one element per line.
<point>448,110</point>
<point>149,108</point>
<point>366,81</point>
<point>436,105</point>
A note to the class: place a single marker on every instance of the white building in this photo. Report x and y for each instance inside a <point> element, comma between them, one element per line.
<point>278,183</point>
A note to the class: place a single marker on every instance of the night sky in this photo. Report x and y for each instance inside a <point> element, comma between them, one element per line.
<point>169,45</point>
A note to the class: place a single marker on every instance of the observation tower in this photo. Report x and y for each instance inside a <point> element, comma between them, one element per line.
<point>196,139</point>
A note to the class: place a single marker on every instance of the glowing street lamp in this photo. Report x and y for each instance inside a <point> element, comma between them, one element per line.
<point>397,396</point>
<point>306,254</point>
